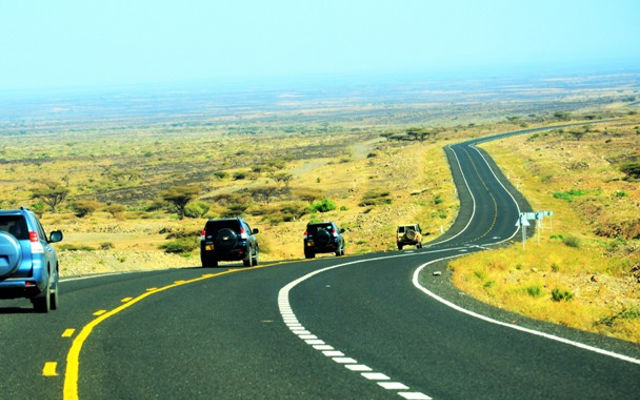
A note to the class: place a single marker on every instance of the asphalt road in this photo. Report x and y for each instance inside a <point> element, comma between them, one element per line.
<point>367,327</point>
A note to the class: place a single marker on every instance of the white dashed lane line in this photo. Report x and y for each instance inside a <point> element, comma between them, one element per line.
<point>351,364</point>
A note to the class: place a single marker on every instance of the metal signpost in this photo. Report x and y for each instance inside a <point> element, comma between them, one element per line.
<point>523,222</point>
<point>525,217</point>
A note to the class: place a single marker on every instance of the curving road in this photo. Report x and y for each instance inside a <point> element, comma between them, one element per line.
<point>380,326</point>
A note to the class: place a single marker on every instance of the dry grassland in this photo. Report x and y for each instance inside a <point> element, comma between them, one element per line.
<point>404,182</point>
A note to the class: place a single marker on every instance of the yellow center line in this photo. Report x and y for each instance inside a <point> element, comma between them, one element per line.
<point>70,388</point>
<point>68,332</point>
<point>126,299</point>
<point>493,199</point>
<point>49,368</point>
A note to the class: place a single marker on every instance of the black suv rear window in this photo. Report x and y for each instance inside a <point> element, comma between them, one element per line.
<point>15,225</point>
<point>314,228</point>
<point>214,226</point>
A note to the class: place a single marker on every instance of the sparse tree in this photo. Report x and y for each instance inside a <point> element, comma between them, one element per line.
<point>115,209</point>
<point>82,208</point>
<point>179,196</point>
<point>51,193</point>
<point>577,134</point>
<point>282,177</point>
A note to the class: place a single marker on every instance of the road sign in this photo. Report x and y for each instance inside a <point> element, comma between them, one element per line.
<point>522,221</point>
<point>530,215</point>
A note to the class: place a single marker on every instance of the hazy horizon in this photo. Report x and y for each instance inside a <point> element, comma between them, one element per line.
<point>78,44</point>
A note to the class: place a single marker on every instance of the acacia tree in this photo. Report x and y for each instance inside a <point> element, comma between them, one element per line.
<point>51,193</point>
<point>179,196</point>
<point>281,177</point>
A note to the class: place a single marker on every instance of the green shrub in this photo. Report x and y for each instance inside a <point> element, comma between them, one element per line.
<point>568,195</point>
<point>631,169</point>
<point>621,193</point>
<point>239,175</point>
<point>324,205</point>
<point>560,295</point>
<point>106,246</point>
<point>220,174</point>
<point>115,209</point>
<point>610,320</point>
<point>534,291</point>
<point>74,247</point>
<point>437,199</point>
<point>374,198</point>
<point>571,241</point>
<point>179,246</point>
<point>82,208</point>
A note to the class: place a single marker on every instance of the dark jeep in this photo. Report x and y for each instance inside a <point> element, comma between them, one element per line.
<point>228,240</point>
<point>323,237</point>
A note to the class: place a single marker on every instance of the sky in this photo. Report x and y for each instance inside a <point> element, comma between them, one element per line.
<point>79,43</point>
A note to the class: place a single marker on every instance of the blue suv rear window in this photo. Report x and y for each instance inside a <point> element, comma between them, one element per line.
<point>15,225</point>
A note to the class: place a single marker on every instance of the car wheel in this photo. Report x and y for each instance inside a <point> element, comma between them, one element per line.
<point>309,254</point>
<point>419,245</point>
<point>247,261</point>
<point>42,302</point>
<point>399,246</point>
<point>254,260</point>
<point>54,301</point>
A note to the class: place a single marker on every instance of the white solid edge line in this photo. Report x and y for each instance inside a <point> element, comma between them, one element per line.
<point>456,307</point>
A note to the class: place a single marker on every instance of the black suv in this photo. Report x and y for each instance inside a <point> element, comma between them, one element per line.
<point>28,262</point>
<point>228,240</point>
<point>323,237</point>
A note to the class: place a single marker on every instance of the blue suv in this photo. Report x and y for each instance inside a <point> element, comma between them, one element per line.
<point>28,262</point>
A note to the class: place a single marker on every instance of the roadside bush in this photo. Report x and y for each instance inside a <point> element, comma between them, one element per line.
<point>306,194</point>
<point>621,193</point>
<point>562,115</point>
<point>179,246</point>
<point>534,291</point>
<point>106,246</point>
<point>568,195</point>
<point>74,247</point>
<point>82,208</point>
<point>374,198</point>
<point>239,175</point>
<point>220,174</point>
<point>626,313</point>
<point>324,205</point>
<point>115,209</point>
<point>560,295</point>
<point>571,241</point>
<point>235,210</point>
<point>631,169</point>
